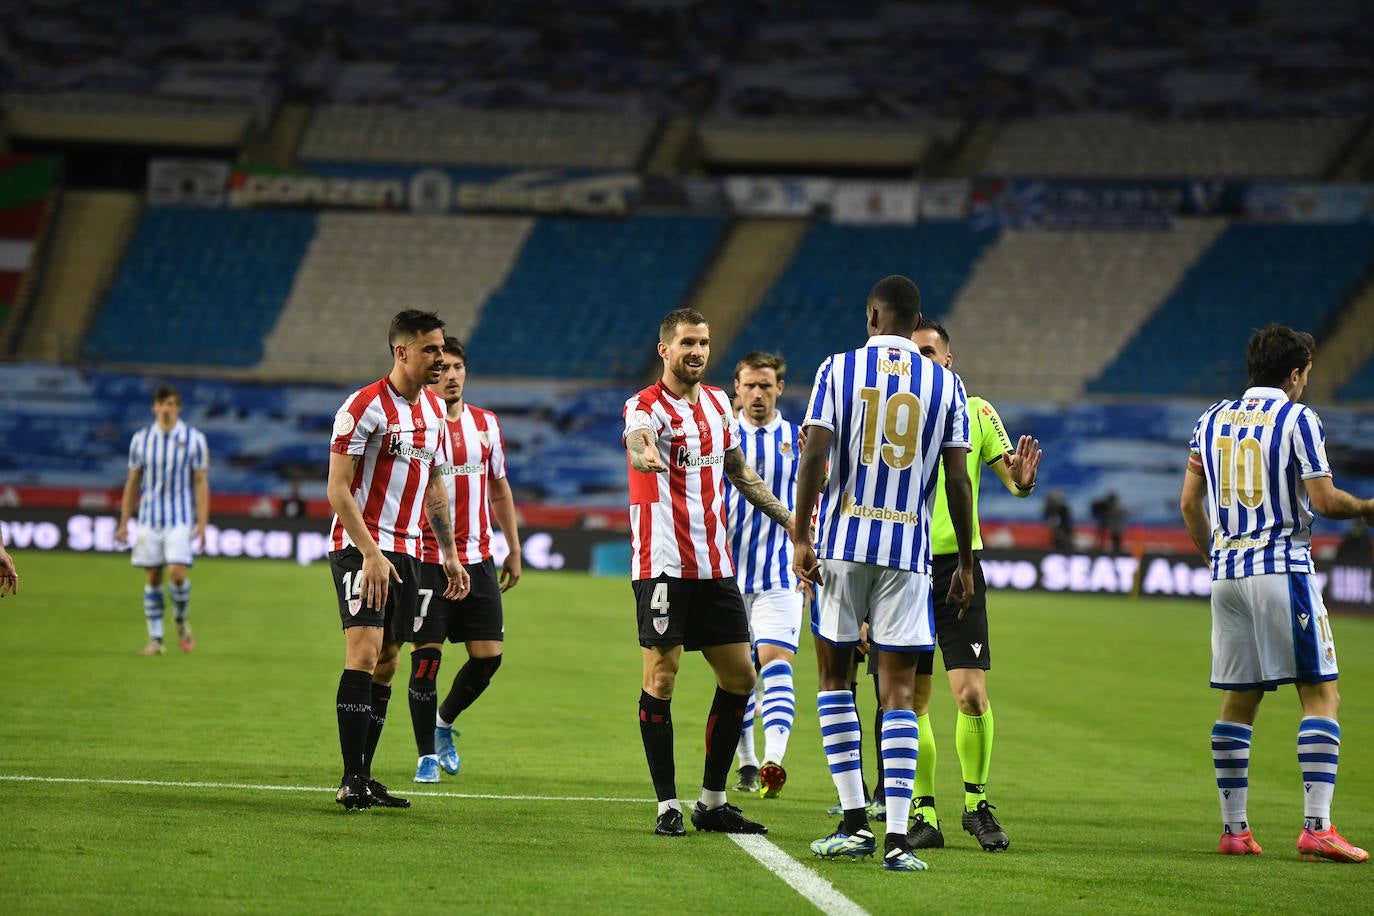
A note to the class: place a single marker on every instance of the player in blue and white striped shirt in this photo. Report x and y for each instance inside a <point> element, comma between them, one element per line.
<point>763,567</point>
<point>893,417</point>
<point>169,483</point>
<point>1257,468</point>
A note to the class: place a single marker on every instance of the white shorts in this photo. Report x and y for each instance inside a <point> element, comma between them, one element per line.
<point>162,546</point>
<point>1269,630</point>
<point>774,618</point>
<point>896,602</point>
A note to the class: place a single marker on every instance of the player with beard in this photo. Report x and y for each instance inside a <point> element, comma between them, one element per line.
<point>388,437</point>
<point>682,441</point>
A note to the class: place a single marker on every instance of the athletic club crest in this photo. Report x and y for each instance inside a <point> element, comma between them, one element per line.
<point>660,625</point>
<point>486,439</point>
<point>419,621</point>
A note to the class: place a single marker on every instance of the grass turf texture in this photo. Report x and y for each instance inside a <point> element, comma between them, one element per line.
<point>1101,771</point>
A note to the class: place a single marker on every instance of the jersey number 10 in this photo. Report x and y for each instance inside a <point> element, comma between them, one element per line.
<point>1240,471</point>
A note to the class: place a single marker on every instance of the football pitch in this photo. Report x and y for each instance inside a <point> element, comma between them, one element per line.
<point>205,782</point>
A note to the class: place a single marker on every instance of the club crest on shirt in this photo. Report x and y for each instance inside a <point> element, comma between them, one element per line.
<point>486,439</point>
<point>784,447</point>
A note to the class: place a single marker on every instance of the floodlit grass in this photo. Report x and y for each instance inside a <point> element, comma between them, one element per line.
<point>204,783</point>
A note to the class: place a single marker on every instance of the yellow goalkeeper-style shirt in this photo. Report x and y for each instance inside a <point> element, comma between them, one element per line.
<point>988,443</point>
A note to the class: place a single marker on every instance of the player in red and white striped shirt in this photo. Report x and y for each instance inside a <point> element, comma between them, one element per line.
<point>683,441</point>
<point>387,438</point>
<point>478,491</point>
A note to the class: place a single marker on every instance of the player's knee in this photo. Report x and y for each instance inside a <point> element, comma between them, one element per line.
<point>972,702</point>
<point>487,667</point>
<point>660,683</point>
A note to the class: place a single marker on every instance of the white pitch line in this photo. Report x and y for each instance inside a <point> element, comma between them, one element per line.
<point>803,880</point>
<point>265,788</point>
<point>810,885</point>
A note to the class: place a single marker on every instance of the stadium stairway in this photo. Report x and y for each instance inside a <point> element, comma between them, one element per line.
<point>750,258</point>
<point>360,269</point>
<point>1031,320</point>
<point>1346,351</point>
<point>93,229</point>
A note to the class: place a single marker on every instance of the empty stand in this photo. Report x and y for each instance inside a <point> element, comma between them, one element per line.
<point>1129,148</point>
<point>496,139</point>
<point>363,268</point>
<point>199,287</point>
<point>585,296</point>
<point>1043,310</point>
<point>817,306</point>
<point>1253,275</point>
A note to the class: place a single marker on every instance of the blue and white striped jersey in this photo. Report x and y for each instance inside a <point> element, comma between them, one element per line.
<point>761,547</point>
<point>1255,452</point>
<point>891,411</point>
<point>167,461</point>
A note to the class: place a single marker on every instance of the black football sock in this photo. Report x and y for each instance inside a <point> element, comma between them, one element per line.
<point>381,696</point>
<point>468,685</point>
<point>656,730</point>
<point>722,737</point>
<point>353,705</point>
<point>424,697</point>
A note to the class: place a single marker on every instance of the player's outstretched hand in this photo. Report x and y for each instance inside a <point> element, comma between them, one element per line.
<point>961,588</point>
<point>459,582</point>
<point>807,568</point>
<point>378,574</point>
<point>1024,462</point>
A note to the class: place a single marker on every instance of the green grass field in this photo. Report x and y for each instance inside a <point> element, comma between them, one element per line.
<point>204,783</point>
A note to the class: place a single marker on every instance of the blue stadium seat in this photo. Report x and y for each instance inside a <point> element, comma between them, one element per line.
<point>1194,345</point>
<point>816,306</point>
<point>585,296</point>
<point>200,287</point>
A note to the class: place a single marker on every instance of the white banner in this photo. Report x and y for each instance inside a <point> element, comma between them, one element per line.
<point>945,198</point>
<point>872,202</point>
<point>187,182</point>
<point>769,196</point>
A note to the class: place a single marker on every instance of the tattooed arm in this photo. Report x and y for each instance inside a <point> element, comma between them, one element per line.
<point>441,523</point>
<point>752,488</point>
<point>639,442</point>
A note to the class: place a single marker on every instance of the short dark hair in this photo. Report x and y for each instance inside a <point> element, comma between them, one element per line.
<point>454,347</point>
<point>668,326</point>
<point>164,392</point>
<point>760,359</point>
<point>899,296</point>
<point>1275,351</point>
<point>926,324</point>
<point>410,323</point>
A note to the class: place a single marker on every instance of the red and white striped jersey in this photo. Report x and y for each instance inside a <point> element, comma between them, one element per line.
<point>399,443</point>
<point>477,453</point>
<point>677,518</point>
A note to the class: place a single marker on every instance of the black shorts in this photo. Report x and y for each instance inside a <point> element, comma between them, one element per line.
<point>963,643</point>
<point>690,612</point>
<point>477,616</point>
<point>346,567</point>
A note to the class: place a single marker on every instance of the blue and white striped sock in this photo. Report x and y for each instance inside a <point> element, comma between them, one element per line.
<point>840,736</point>
<point>1231,757</point>
<point>900,739</point>
<point>1319,753</point>
<point>152,610</point>
<point>181,597</point>
<point>779,709</point>
<point>745,750</point>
